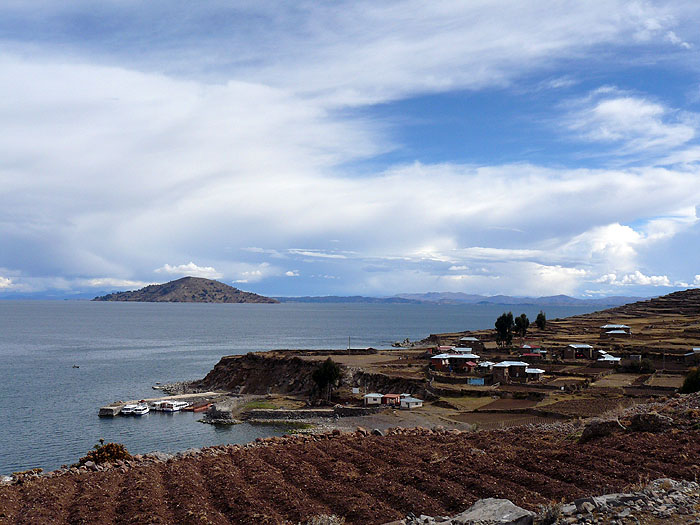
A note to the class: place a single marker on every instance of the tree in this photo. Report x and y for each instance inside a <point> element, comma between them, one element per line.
<point>504,329</point>
<point>541,320</point>
<point>692,382</point>
<point>326,376</point>
<point>522,323</point>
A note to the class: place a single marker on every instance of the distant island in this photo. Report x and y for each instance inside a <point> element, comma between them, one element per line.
<point>188,290</point>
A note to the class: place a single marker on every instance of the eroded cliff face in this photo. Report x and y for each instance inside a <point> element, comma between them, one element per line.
<point>272,373</point>
<point>254,373</point>
<point>389,384</point>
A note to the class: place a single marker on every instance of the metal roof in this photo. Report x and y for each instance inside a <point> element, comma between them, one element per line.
<point>616,332</point>
<point>487,363</point>
<point>411,400</point>
<point>455,356</point>
<point>373,395</point>
<point>505,364</point>
<point>614,326</point>
<point>580,345</point>
<point>534,371</point>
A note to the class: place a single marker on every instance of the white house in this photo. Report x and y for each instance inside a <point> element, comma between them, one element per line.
<point>411,402</point>
<point>373,399</point>
<point>534,374</point>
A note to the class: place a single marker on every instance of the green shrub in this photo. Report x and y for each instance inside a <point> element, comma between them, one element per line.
<point>692,382</point>
<point>105,453</point>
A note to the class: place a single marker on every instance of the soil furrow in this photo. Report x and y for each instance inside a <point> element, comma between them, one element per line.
<point>42,505</point>
<point>185,495</point>
<point>95,498</point>
<point>142,498</point>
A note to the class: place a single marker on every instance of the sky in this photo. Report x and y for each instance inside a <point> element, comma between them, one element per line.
<point>350,147</point>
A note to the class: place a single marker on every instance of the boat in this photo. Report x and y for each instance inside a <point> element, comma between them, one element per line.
<point>141,409</point>
<point>128,410</point>
<point>173,406</point>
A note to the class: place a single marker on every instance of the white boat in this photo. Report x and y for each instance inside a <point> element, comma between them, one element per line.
<point>173,406</point>
<point>127,410</point>
<point>141,409</point>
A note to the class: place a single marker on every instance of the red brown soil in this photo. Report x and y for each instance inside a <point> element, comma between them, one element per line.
<point>509,404</point>
<point>371,479</point>
<point>588,407</point>
<point>490,421</point>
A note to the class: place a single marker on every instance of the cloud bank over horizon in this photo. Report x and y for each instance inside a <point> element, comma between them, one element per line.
<point>351,148</point>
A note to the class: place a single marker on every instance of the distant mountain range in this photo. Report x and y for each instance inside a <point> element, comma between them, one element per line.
<point>187,290</point>
<point>347,299</point>
<point>464,298</point>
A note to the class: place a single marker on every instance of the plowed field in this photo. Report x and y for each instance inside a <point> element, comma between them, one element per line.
<point>371,479</point>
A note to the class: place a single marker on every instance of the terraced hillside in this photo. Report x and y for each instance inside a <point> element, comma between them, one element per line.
<point>366,479</point>
<point>668,324</point>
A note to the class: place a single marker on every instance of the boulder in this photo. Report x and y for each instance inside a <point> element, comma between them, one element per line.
<point>377,432</point>
<point>219,411</point>
<point>650,422</point>
<point>362,431</point>
<point>600,428</point>
<point>160,456</point>
<point>495,511</point>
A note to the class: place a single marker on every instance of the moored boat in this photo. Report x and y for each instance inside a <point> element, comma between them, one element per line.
<point>141,409</point>
<point>173,406</point>
<point>128,410</point>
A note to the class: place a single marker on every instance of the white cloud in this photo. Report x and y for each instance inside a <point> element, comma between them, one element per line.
<point>5,282</point>
<point>635,278</point>
<point>634,124</point>
<point>674,39</point>
<point>246,149</point>
<point>110,282</point>
<point>253,273</point>
<point>267,251</point>
<point>371,52</point>
<point>316,253</point>
<point>190,269</point>
<point>292,273</point>
<point>696,281</point>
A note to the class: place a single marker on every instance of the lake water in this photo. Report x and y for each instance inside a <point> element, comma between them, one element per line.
<point>48,409</point>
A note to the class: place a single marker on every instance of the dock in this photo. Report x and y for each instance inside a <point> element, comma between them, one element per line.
<point>115,408</point>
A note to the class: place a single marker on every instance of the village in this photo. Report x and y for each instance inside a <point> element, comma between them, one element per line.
<point>570,368</point>
<point>577,367</point>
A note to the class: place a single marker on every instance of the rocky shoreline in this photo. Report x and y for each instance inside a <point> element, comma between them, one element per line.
<point>663,499</point>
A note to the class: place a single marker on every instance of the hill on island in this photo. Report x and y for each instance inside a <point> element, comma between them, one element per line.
<point>188,290</point>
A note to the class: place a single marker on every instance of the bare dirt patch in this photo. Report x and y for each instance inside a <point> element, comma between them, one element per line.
<point>616,380</point>
<point>509,404</point>
<point>587,407</point>
<point>668,381</point>
<point>490,420</point>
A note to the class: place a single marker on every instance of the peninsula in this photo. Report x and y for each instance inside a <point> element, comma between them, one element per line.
<point>188,290</point>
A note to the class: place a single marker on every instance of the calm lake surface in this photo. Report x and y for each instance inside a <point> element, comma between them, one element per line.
<point>48,409</point>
